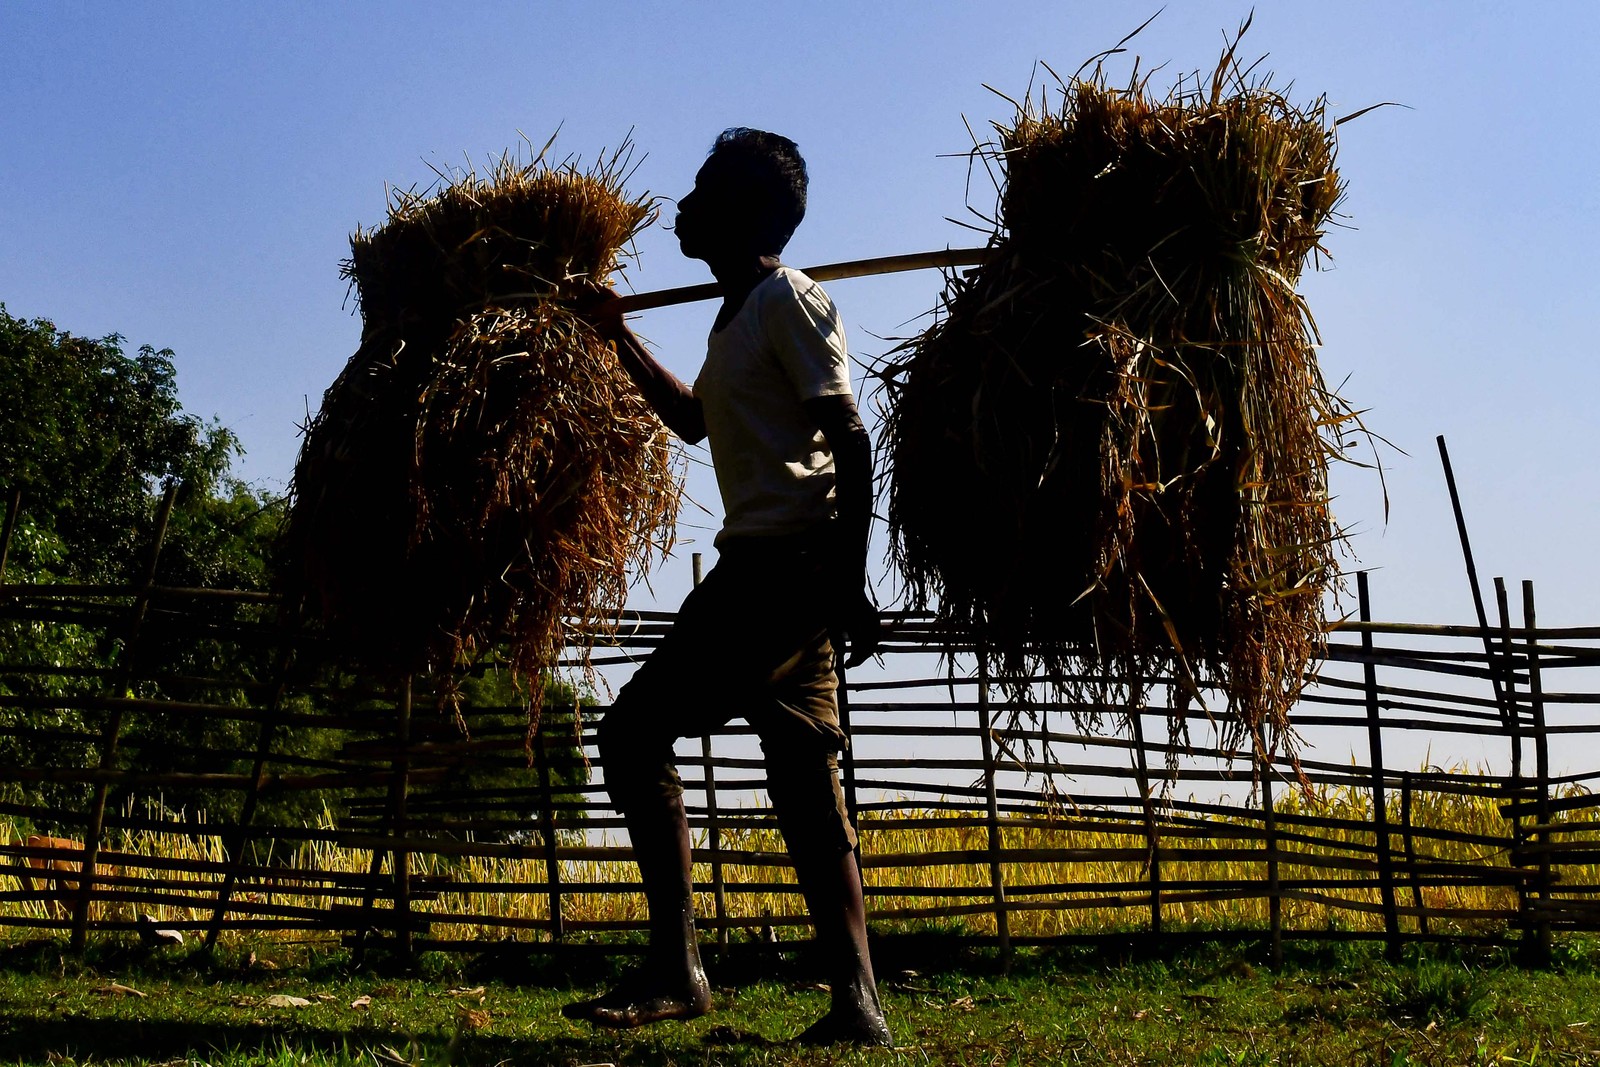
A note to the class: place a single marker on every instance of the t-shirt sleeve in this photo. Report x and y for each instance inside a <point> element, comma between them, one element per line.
<point>804,330</point>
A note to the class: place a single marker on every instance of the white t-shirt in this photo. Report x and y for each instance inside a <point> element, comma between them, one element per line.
<point>784,346</point>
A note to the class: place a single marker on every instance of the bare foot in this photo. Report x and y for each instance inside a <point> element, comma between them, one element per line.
<point>639,1003</point>
<point>863,1027</point>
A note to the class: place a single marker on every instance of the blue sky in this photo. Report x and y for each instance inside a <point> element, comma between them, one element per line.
<point>187,174</point>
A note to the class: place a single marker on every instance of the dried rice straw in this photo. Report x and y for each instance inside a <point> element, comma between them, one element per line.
<point>482,471</point>
<point>1109,454</point>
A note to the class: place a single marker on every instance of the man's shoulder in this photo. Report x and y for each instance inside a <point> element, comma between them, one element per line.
<point>790,285</point>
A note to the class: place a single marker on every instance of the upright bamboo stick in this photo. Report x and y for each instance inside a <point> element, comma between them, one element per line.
<point>1380,809</point>
<point>400,856</point>
<point>111,735</point>
<point>1269,816</point>
<point>847,759</point>
<point>1513,724</point>
<point>399,782</point>
<point>547,833</point>
<point>1541,757</point>
<point>247,807</point>
<point>1507,660</point>
<point>719,891</point>
<point>1406,839</point>
<point>997,881</point>
<point>1142,776</point>
<point>1472,577</point>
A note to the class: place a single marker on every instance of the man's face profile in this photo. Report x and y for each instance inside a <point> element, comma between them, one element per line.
<point>717,216</point>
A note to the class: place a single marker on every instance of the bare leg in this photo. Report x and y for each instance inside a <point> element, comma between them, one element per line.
<point>831,882</point>
<point>672,984</point>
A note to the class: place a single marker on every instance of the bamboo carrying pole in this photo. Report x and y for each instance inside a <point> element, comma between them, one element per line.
<point>824,272</point>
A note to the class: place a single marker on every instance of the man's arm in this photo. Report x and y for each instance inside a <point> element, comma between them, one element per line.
<point>672,400</point>
<point>851,445</point>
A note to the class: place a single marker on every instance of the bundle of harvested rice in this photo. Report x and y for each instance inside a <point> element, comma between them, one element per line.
<point>483,467</point>
<point>1109,454</point>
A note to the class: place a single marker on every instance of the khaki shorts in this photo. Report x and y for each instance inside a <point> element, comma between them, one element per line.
<point>751,641</point>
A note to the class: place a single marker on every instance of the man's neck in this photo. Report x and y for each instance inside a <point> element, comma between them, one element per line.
<point>738,275</point>
<point>742,271</point>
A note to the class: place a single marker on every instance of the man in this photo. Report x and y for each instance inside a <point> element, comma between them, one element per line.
<point>794,468</point>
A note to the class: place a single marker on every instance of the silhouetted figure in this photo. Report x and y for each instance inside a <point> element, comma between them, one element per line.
<point>794,468</point>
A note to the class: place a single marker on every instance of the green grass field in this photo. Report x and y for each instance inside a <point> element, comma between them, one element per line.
<point>1206,1003</point>
<point>1127,1001</point>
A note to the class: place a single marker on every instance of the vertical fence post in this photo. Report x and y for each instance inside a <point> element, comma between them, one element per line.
<point>1512,712</point>
<point>400,851</point>
<point>1541,759</point>
<point>547,828</point>
<point>847,758</point>
<point>719,891</point>
<point>1411,852</point>
<point>1269,818</point>
<point>111,735</point>
<point>1380,809</point>
<point>1506,665</point>
<point>369,892</point>
<point>997,881</point>
<point>1152,836</point>
<point>252,798</point>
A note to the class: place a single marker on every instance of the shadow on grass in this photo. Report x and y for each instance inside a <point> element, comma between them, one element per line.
<point>39,1039</point>
<point>1345,982</point>
<point>953,953</point>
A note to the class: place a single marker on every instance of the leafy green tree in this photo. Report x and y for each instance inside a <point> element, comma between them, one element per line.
<point>92,435</point>
<point>89,434</point>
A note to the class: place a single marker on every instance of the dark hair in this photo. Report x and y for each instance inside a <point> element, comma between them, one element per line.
<point>778,176</point>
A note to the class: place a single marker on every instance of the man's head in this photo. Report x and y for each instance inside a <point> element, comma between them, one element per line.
<point>748,197</point>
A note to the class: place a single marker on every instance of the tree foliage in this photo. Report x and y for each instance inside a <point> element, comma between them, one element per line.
<point>92,436</point>
<point>89,434</point>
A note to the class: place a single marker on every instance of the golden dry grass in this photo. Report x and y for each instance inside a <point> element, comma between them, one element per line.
<point>482,468</point>
<point>1109,453</point>
<point>1089,886</point>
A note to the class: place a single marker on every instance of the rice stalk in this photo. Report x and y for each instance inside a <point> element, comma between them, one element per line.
<point>482,468</point>
<point>1109,454</point>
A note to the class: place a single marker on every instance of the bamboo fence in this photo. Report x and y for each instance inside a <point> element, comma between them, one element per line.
<point>1010,828</point>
